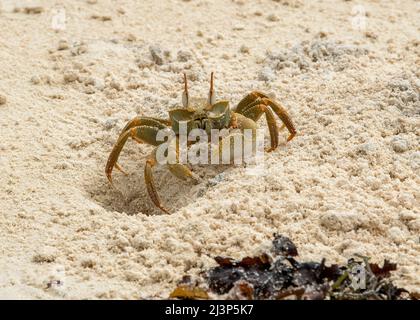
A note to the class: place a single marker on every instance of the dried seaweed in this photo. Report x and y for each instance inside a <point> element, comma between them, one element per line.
<point>284,246</point>
<point>279,275</point>
<point>385,271</point>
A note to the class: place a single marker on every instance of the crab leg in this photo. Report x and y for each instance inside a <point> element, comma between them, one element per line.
<point>150,182</point>
<point>142,133</point>
<point>254,98</point>
<point>255,112</point>
<point>118,167</point>
<point>177,169</point>
<point>283,115</point>
<point>137,121</point>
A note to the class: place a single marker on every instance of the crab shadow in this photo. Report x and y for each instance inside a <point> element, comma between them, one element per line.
<point>129,195</point>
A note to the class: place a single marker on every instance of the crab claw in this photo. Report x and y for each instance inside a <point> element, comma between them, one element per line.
<point>118,167</point>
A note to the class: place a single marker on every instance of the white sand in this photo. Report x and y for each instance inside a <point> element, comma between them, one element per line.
<point>348,183</point>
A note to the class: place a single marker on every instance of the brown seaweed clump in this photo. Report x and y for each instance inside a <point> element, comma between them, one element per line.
<point>278,275</point>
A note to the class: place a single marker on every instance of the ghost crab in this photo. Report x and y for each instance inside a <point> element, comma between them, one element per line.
<point>203,114</point>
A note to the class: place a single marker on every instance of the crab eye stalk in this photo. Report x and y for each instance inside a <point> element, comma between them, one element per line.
<point>212,94</point>
<point>185,95</point>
